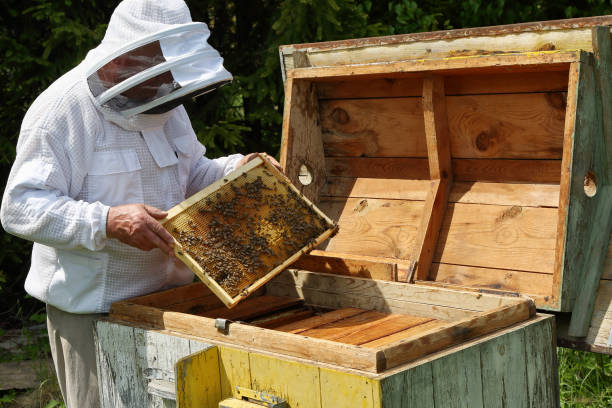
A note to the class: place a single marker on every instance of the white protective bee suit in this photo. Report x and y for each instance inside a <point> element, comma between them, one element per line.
<point>79,154</point>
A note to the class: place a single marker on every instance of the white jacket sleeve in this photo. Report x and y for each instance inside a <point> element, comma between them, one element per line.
<point>37,204</point>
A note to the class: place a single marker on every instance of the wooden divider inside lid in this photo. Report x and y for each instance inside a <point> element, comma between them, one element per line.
<point>495,127</point>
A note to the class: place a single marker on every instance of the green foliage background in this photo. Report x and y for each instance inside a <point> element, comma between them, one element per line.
<point>42,39</point>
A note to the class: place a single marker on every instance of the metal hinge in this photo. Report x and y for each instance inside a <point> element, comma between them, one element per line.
<point>246,398</point>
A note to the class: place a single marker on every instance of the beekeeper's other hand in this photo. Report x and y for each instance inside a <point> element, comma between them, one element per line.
<point>137,226</point>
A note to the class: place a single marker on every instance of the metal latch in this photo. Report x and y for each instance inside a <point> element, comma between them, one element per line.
<point>222,325</point>
<point>250,398</point>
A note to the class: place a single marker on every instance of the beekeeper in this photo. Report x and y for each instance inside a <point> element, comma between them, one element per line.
<point>102,153</point>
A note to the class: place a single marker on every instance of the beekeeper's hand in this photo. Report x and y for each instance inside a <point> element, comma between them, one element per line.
<point>137,226</point>
<point>251,156</point>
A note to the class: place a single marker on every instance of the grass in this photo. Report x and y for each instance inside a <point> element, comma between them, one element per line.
<point>585,378</point>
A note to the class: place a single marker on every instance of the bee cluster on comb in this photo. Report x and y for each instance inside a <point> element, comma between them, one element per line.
<point>248,226</point>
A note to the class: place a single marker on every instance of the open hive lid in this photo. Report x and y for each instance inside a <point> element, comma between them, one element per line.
<point>449,165</point>
<point>244,229</point>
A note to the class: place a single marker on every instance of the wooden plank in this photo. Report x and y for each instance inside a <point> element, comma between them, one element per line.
<point>561,290</point>
<point>344,390</point>
<point>589,219</point>
<point>253,337</point>
<point>509,82</point>
<point>301,141</point>
<point>436,127</point>
<point>254,307</point>
<point>600,211</point>
<point>464,389</point>
<point>486,170</point>
<point>332,300</point>
<point>542,370</point>
<point>298,383</point>
<point>504,374</point>
<point>428,232</point>
<point>436,339</point>
<point>198,383</point>
<point>404,168</point>
<point>282,318</point>
<point>341,328</point>
<point>333,263</point>
<point>602,49</point>
<point>525,195</point>
<point>503,126</point>
<point>507,170</point>
<point>410,332</point>
<point>195,306</point>
<point>394,189</point>
<point>511,126</point>
<point>538,286</point>
<point>438,153</point>
<point>234,370</point>
<point>24,374</point>
<point>420,382</point>
<point>607,273</point>
<point>118,387</point>
<point>527,62</point>
<point>320,320</point>
<point>519,194</point>
<point>196,290</point>
<point>502,237</point>
<point>377,227</point>
<point>336,284</point>
<point>392,324</point>
<point>373,127</point>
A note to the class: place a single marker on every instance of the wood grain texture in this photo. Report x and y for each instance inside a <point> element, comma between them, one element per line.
<point>244,335</point>
<point>373,127</point>
<point>347,266</point>
<point>454,332</point>
<point>506,126</point>
<point>436,127</point>
<point>466,388</point>
<point>320,320</point>
<point>507,170</point>
<point>511,126</point>
<point>386,188</point>
<point>589,219</point>
<point>607,272</point>
<point>377,227</point>
<point>537,286</point>
<point>346,326</point>
<point>339,285</point>
<point>390,325</point>
<point>599,207</point>
<point>197,380</point>
<point>506,237</point>
<point>504,372</point>
<point>252,308</point>
<point>404,168</point>
<point>301,141</point>
<point>345,390</point>
<point>542,371</point>
<point>552,81</point>
<point>429,230</point>
<point>234,370</point>
<point>425,326</point>
<point>527,62</point>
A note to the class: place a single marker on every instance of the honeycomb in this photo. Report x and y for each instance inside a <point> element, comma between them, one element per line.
<point>247,227</point>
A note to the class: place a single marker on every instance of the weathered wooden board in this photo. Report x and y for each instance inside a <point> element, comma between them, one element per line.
<point>351,266</point>
<point>562,34</point>
<point>301,142</point>
<point>506,237</point>
<point>537,286</point>
<point>377,227</point>
<point>552,81</point>
<point>506,126</point>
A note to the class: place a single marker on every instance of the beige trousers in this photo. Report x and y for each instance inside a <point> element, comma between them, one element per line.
<point>73,350</point>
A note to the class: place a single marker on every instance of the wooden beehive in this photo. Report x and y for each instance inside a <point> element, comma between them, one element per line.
<point>469,187</point>
<point>241,231</point>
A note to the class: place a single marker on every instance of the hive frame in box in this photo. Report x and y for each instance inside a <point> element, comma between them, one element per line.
<point>182,254</point>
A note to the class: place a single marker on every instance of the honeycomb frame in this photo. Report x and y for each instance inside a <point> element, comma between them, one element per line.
<point>244,229</point>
